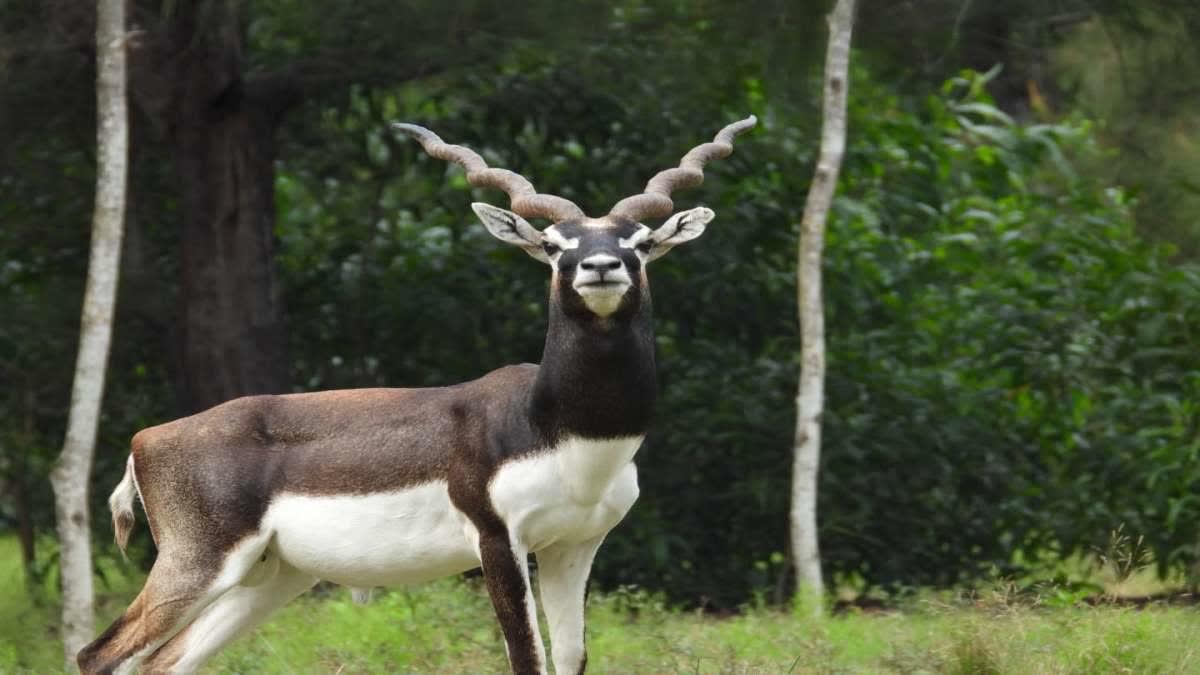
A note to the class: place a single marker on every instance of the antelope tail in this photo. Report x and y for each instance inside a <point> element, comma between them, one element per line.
<point>121,504</point>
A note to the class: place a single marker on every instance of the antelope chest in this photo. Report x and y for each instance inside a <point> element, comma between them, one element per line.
<point>578,490</point>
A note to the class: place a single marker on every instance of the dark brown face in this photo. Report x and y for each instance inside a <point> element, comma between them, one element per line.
<point>598,263</point>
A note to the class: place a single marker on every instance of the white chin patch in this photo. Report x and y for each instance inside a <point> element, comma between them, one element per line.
<point>602,300</point>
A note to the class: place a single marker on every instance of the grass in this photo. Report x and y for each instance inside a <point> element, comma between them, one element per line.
<point>447,627</point>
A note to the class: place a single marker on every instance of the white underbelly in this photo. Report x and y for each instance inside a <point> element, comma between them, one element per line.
<point>572,493</point>
<point>380,539</point>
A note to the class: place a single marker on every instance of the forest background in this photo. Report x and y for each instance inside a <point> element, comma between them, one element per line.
<point>1012,275</point>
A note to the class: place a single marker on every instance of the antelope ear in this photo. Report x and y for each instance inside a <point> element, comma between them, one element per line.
<point>510,228</point>
<point>681,227</point>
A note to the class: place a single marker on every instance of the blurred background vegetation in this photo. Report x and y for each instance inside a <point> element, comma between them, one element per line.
<point>1012,259</point>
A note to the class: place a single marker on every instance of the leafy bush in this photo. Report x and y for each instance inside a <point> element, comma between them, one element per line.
<point>1005,349</point>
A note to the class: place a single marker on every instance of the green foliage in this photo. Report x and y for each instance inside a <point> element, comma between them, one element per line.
<point>1012,371</point>
<point>29,618</point>
<point>1135,77</point>
<point>441,627</point>
<point>447,627</point>
<point>1002,345</point>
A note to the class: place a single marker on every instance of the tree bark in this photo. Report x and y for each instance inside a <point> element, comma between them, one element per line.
<point>231,338</point>
<point>233,341</point>
<point>189,75</point>
<point>73,469</point>
<point>810,400</point>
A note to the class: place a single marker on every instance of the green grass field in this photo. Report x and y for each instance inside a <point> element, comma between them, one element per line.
<point>447,627</point>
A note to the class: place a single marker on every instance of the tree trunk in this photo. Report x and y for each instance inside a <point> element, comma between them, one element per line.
<point>73,469</point>
<point>232,339</point>
<point>810,401</point>
<point>232,335</point>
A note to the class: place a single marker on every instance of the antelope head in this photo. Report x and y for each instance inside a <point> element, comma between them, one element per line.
<point>598,264</point>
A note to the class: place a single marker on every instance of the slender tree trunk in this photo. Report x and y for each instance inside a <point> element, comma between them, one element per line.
<point>810,401</point>
<point>73,469</point>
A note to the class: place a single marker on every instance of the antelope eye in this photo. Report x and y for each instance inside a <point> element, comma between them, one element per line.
<point>645,246</point>
<point>549,248</point>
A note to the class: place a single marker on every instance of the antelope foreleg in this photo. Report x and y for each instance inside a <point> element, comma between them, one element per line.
<point>506,571</point>
<point>562,581</point>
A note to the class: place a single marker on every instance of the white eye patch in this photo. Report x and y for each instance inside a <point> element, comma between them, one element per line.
<point>554,238</point>
<point>634,239</point>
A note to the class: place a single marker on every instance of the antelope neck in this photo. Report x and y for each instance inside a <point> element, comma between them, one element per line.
<point>597,376</point>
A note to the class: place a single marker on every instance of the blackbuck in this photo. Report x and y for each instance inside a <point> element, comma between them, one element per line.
<point>252,502</point>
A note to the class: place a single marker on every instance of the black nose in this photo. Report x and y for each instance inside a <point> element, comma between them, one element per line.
<point>602,265</point>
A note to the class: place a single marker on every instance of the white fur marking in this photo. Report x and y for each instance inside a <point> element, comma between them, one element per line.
<point>121,498</point>
<point>555,237</point>
<point>562,581</point>
<point>234,613</point>
<point>382,539</point>
<point>131,664</point>
<point>574,492</point>
<point>238,562</point>
<point>262,571</point>
<point>635,238</point>
<point>603,302</point>
<point>531,620</point>
<point>601,289</point>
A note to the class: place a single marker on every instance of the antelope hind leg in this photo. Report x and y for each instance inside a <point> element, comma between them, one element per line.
<point>233,614</point>
<point>176,592</point>
<point>167,602</point>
